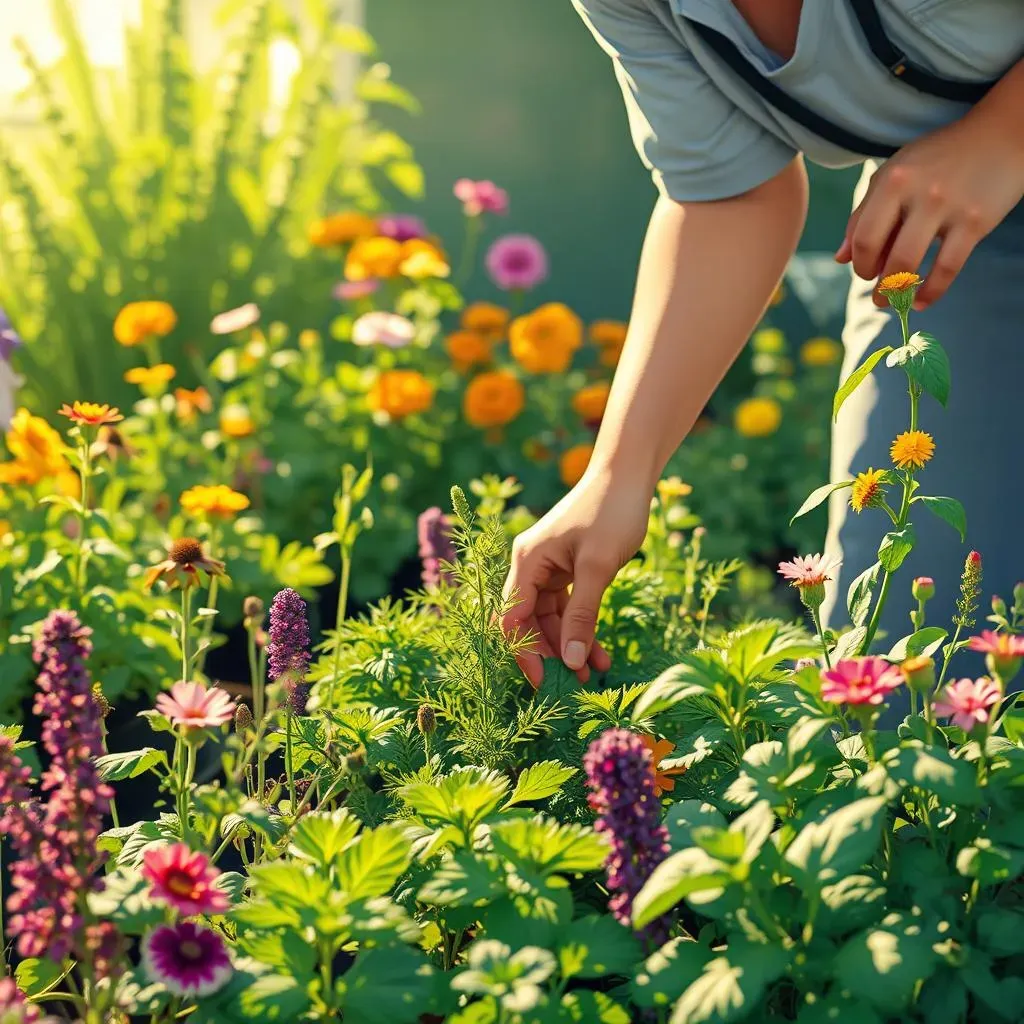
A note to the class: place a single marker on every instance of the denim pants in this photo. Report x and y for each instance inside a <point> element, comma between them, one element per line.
<point>978,455</point>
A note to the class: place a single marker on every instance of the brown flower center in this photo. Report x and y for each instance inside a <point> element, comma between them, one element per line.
<point>186,551</point>
<point>190,950</point>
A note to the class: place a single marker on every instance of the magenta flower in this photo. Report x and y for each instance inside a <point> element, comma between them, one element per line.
<point>380,328</point>
<point>517,263</point>
<point>235,319</point>
<point>193,706</point>
<point>402,227</point>
<point>15,1009</point>
<point>188,959</point>
<point>184,879</point>
<point>966,702</point>
<point>434,532</point>
<point>480,197</point>
<point>860,681</point>
<point>349,291</point>
<point>1004,644</point>
<point>288,647</point>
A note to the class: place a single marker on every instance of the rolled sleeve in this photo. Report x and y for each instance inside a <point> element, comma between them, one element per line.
<point>696,142</point>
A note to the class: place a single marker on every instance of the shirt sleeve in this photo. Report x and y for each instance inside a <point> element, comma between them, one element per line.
<point>696,142</point>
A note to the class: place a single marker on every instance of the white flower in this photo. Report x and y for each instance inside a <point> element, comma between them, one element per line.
<point>382,328</point>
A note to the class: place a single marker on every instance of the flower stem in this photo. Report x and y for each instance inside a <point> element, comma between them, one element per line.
<point>816,618</point>
<point>474,226</point>
<point>289,766</point>
<point>186,622</point>
<point>85,461</point>
<point>950,651</point>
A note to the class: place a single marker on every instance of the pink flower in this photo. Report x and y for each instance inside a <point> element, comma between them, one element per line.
<point>860,681</point>
<point>480,197</point>
<point>1003,644</point>
<point>401,227</point>
<point>349,291</point>
<point>808,570</point>
<point>184,880</point>
<point>235,319</point>
<point>188,959</point>
<point>192,706</point>
<point>380,328</point>
<point>966,702</point>
<point>517,263</point>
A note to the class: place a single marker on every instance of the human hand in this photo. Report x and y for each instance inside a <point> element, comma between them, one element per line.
<point>954,185</point>
<point>583,542</point>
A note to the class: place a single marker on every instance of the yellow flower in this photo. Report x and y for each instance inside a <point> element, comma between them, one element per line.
<point>770,340</point>
<point>573,463</point>
<point>309,339</point>
<point>487,319</point>
<point>467,349</point>
<point>188,403</point>
<point>219,501</point>
<point>36,446</point>
<point>898,282</point>
<point>185,561</point>
<point>867,490</point>
<point>151,378</point>
<point>757,417</point>
<point>17,472</point>
<point>610,337</point>
<point>820,352</point>
<point>493,399</point>
<point>5,528</point>
<point>422,259</point>
<point>589,403</point>
<point>141,320</point>
<point>90,414</point>
<point>236,421</point>
<point>673,487</point>
<point>341,228</point>
<point>377,257</point>
<point>544,341</point>
<point>401,393</point>
<point>912,449</point>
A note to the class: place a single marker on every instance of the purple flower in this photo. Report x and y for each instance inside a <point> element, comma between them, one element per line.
<point>288,647</point>
<point>349,291</point>
<point>9,337</point>
<point>401,227</point>
<point>13,1007</point>
<point>517,263</point>
<point>619,772</point>
<point>187,959</point>
<point>433,529</point>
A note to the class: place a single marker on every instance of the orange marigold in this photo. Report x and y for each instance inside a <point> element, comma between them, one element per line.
<point>341,228</point>
<point>467,349</point>
<point>90,414</point>
<point>141,320</point>
<point>660,749</point>
<point>188,403</point>
<point>493,399</point>
<point>236,421</point>
<point>544,341</point>
<point>218,500</point>
<point>399,393</point>
<point>573,463</point>
<point>376,257</point>
<point>487,319</point>
<point>420,259</point>
<point>911,450</point>
<point>898,282</point>
<point>589,403</point>
<point>38,448</point>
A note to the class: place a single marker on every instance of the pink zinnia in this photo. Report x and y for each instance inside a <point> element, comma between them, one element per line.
<point>349,291</point>
<point>517,263</point>
<point>480,197</point>
<point>1003,644</point>
<point>402,227</point>
<point>860,681</point>
<point>192,706</point>
<point>188,959</point>
<point>235,319</point>
<point>808,570</point>
<point>380,328</point>
<point>966,702</point>
<point>184,879</point>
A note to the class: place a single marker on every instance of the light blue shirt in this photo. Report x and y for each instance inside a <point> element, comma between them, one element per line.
<point>705,134</point>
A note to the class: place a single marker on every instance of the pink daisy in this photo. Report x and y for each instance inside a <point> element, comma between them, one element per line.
<point>1003,644</point>
<point>966,702</point>
<point>380,328</point>
<point>235,319</point>
<point>192,706</point>
<point>349,291</point>
<point>517,263</point>
<point>401,227</point>
<point>480,197</point>
<point>808,570</point>
<point>184,879</point>
<point>860,681</point>
<point>186,958</point>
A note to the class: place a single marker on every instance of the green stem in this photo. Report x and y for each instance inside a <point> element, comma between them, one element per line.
<point>339,616</point>
<point>705,615</point>
<point>186,623</point>
<point>289,767</point>
<point>113,806</point>
<point>950,650</point>
<point>474,226</point>
<point>816,618</point>
<point>211,603</point>
<point>186,788</point>
<point>85,460</point>
<point>259,710</point>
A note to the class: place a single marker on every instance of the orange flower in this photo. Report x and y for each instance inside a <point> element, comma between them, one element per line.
<point>609,336</point>
<point>493,399</point>
<point>5,528</point>
<point>399,393</point>
<point>544,341</point>
<point>912,449</point>
<point>90,414</point>
<point>467,349</point>
<point>377,257</point>
<point>218,501</point>
<point>141,320</point>
<point>867,490</point>
<point>236,421</point>
<point>189,403</point>
<point>185,563</point>
<point>898,282</point>
<point>36,446</point>
<point>660,749</point>
<point>589,402</point>
<point>573,464</point>
<point>151,378</point>
<point>487,319</point>
<point>341,228</point>
<point>422,259</point>
<point>16,472</point>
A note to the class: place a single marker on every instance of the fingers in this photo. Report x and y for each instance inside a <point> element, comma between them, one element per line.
<point>520,620</point>
<point>869,231</point>
<point>956,247</point>
<point>911,244</point>
<point>579,620</point>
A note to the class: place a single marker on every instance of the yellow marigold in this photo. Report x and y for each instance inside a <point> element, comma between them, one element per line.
<point>898,282</point>
<point>141,320</point>
<point>34,444</point>
<point>673,487</point>
<point>770,340</point>
<point>573,463</point>
<point>467,349</point>
<point>17,472</point>
<point>589,403</point>
<point>151,378</point>
<point>487,319</point>
<point>757,417</point>
<point>820,352</point>
<point>401,393</point>
<point>188,403</point>
<point>867,490</point>
<point>341,228</point>
<point>608,332</point>
<point>912,449</point>
<point>218,500</point>
<point>376,257</point>
<point>421,259</point>
<point>90,414</point>
<point>236,421</point>
<point>544,341</point>
<point>493,399</point>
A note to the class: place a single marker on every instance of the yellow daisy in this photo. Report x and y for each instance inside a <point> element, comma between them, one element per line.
<point>912,449</point>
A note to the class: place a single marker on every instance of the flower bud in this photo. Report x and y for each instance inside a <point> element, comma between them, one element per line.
<point>1018,594</point>
<point>812,595</point>
<point>998,606</point>
<point>919,673</point>
<point>426,720</point>
<point>356,759</point>
<point>252,608</point>
<point>243,718</point>
<point>923,588</point>
<point>101,702</point>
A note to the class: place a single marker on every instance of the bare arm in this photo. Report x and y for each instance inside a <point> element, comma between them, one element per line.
<point>706,275</point>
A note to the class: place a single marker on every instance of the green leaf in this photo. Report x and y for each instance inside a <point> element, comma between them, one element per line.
<point>666,973</point>
<point>321,836</point>
<point>675,878</point>
<point>596,946</point>
<point>372,864</point>
<point>839,1008</point>
<point>988,862</point>
<point>257,817</point>
<point>858,598</point>
<point>131,764</point>
<point>924,641</point>
<point>839,843</point>
<point>686,815</point>
<point>139,996</point>
<point>849,643</point>
<point>856,378</point>
<point>392,984</point>
<point>696,674</point>
<point>547,847</point>
<point>125,899</point>
<point>935,770</point>
<point>1003,997</point>
<point>540,781</point>
<point>949,510</point>
<point>999,931</point>
<point>274,997</point>
<point>925,363</point>
<point>462,880</point>
<point>895,547</point>
<point>817,496</point>
<point>407,177</point>
<point>37,976</point>
<point>588,1007</point>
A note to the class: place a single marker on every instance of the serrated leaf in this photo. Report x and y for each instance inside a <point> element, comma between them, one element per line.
<point>895,547</point>
<point>372,864</point>
<point>949,510</point>
<point>816,497</point>
<point>858,598</point>
<point>129,764</point>
<point>925,362</point>
<point>321,836</point>
<point>540,781</point>
<point>857,378</point>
